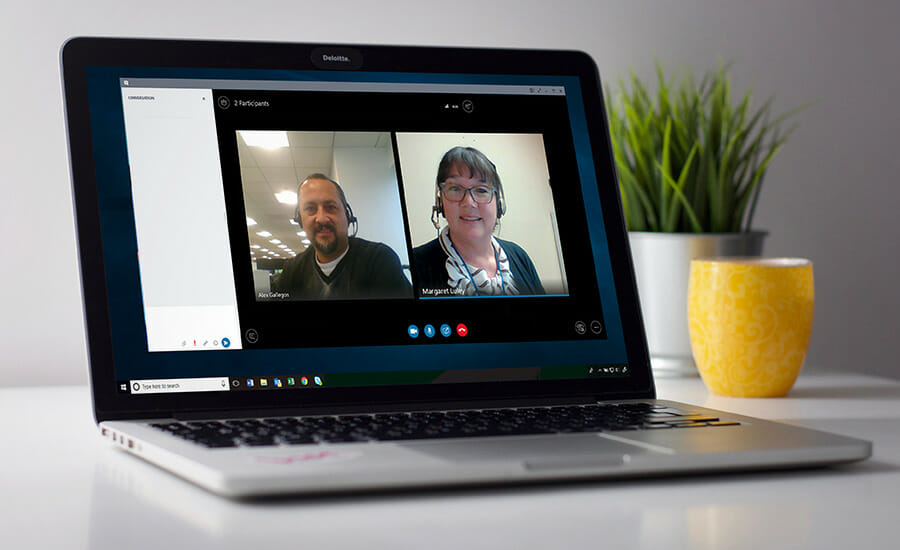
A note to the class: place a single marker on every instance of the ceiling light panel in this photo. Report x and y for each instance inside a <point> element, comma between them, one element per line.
<point>265,139</point>
<point>286,197</point>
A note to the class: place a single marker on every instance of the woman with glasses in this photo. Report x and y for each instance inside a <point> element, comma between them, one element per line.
<point>466,259</point>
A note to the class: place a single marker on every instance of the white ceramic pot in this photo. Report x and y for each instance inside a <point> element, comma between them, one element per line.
<point>662,264</point>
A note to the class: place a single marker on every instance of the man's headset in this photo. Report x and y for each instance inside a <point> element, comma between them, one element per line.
<point>466,156</point>
<point>348,212</point>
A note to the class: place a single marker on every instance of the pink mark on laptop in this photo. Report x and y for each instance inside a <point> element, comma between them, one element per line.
<point>320,456</point>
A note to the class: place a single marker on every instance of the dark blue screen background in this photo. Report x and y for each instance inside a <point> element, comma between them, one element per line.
<point>133,361</point>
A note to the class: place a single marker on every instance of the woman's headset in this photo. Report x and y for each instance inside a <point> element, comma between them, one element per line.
<point>348,212</point>
<point>477,163</point>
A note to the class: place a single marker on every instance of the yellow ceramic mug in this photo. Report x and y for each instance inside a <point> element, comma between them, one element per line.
<point>750,321</point>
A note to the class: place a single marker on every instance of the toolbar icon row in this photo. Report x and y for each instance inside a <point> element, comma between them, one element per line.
<point>445,330</point>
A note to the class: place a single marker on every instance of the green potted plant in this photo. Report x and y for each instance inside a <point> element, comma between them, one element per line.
<point>691,164</point>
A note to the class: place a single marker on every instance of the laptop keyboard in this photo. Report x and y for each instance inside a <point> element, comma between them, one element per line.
<point>434,425</point>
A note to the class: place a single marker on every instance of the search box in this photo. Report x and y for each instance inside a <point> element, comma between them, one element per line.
<point>179,385</point>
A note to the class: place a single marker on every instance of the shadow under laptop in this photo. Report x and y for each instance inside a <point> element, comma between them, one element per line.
<point>137,505</point>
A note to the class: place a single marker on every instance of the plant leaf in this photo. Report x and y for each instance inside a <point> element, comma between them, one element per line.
<point>684,203</point>
<point>679,185</point>
<point>665,168</point>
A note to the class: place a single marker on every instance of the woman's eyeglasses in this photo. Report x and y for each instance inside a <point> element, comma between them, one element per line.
<point>482,194</point>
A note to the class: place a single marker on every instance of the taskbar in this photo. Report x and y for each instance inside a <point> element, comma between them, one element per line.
<point>218,384</point>
<point>350,379</point>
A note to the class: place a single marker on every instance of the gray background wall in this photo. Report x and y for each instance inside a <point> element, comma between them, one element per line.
<point>832,195</point>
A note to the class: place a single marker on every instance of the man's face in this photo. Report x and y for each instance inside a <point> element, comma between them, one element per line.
<point>324,218</point>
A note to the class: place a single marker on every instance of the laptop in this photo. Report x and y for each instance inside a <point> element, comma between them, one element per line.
<point>311,268</point>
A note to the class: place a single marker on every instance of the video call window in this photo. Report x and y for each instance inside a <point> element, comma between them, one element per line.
<point>481,215</point>
<point>324,218</point>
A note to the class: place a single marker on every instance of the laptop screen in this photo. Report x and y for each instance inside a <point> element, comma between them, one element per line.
<point>267,230</point>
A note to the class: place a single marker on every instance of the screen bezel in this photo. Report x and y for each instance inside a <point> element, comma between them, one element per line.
<point>79,53</point>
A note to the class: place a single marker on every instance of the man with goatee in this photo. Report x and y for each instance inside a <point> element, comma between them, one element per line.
<point>337,265</point>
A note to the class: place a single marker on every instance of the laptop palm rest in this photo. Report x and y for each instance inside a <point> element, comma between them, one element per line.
<point>536,452</point>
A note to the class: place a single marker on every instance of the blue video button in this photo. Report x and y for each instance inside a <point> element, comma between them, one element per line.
<point>429,331</point>
<point>226,342</point>
<point>446,331</point>
<point>413,331</point>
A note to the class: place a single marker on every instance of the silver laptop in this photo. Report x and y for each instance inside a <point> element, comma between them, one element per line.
<point>315,268</point>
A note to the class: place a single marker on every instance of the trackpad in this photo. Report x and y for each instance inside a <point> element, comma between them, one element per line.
<point>538,452</point>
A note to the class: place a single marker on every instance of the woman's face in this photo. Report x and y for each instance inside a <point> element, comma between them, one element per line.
<point>469,221</point>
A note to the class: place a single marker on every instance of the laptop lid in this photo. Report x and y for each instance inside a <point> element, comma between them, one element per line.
<point>300,227</point>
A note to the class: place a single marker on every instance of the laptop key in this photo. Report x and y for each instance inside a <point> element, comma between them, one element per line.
<point>697,417</point>
<point>258,441</point>
<point>299,440</point>
<point>217,443</point>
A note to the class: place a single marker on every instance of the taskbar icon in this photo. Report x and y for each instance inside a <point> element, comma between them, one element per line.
<point>273,383</point>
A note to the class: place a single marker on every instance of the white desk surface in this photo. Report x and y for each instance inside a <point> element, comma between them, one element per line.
<point>61,486</point>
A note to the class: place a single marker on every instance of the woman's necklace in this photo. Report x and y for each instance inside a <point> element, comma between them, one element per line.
<point>469,273</point>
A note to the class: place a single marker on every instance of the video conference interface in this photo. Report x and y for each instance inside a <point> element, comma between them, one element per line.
<point>301,219</point>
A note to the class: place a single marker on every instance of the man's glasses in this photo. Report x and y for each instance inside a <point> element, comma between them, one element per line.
<point>482,194</point>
